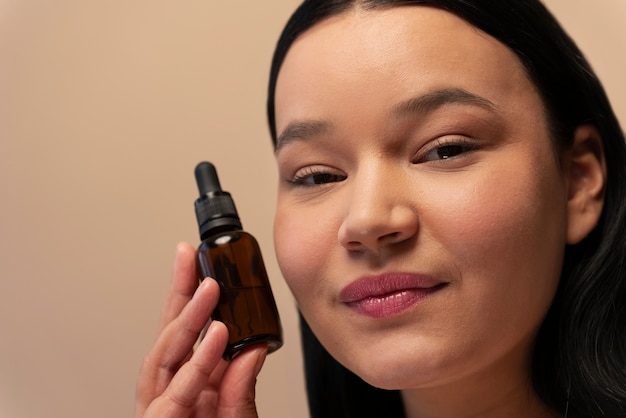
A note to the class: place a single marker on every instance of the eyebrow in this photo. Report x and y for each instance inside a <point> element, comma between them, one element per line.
<point>432,101</point>
<point>306,129</point>
<point>302,130</point>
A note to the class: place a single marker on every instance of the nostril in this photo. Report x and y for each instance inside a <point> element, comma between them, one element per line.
<point>370,229</point>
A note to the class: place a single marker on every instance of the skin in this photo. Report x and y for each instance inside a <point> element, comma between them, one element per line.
<point>365,188</point>
<point>409,142</point>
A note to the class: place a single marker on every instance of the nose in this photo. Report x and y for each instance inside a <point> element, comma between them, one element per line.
<point>380,211</point>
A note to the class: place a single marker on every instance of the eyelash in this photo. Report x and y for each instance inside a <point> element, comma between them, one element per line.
<point>313,173</point>
<point>461,145</point>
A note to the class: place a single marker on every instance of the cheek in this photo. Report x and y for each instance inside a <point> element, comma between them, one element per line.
<point>303,243</point>
<point>482,218</point>
<point>506,233</point>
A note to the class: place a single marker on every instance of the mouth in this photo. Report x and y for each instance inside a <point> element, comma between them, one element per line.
<point>390,294</point>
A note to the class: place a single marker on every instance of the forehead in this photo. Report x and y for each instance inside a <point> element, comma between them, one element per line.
<point>391,54</point>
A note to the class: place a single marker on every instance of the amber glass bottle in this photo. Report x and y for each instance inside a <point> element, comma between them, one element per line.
<point>233,258</point>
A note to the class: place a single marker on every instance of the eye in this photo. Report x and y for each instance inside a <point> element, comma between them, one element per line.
<point>446,149</point>
<point>314,177</point>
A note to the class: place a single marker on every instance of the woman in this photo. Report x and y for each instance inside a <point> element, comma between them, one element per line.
<point>466,177</point>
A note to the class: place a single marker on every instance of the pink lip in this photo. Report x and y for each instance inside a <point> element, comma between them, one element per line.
<point>388,294</point>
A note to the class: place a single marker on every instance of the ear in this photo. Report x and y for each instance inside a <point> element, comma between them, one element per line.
<point>586,174</point>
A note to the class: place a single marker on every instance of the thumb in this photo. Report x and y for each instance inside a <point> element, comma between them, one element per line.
<point>237,389</point>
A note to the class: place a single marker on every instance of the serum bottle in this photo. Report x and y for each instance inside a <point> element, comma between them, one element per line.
<point>233,258</point>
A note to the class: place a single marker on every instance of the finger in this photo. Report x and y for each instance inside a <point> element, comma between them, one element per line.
<point>175,343</point>
<point>186,390</point>
<point>183,283</point>
<point>177,339</point>
<point>237,389</point>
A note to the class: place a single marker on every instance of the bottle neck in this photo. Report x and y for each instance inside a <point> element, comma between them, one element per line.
<point>218,226</point>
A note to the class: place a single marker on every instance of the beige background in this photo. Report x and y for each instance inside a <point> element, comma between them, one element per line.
<point>105,108</point>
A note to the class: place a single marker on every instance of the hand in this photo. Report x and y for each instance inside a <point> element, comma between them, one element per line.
<point>175,381</point>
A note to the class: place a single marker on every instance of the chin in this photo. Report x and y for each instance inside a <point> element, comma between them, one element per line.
<point>395,379</point>
<point>394,371</point>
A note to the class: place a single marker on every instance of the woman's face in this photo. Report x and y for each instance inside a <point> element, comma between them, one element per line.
<point>421,208</point>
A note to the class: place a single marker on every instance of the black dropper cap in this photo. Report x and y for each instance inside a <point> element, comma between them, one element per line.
<point>215,209</point>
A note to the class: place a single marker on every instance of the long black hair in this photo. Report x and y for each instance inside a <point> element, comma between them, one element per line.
<point>579,361</point>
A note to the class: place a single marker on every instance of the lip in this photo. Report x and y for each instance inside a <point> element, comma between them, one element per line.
<point>388,294</point>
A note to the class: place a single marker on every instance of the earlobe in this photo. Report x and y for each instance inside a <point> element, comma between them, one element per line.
<point>586,176</point>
